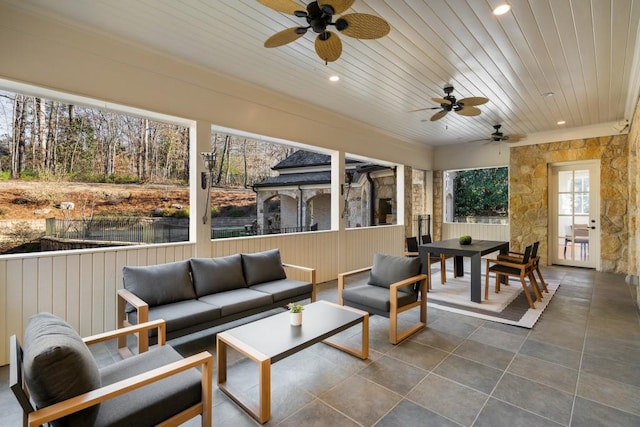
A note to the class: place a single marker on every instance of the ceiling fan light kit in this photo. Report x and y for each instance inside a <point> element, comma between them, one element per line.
<point>320,15</point>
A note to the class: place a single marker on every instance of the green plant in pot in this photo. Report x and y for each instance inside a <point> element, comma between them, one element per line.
<point>465,239</point>
<point>295,313</point>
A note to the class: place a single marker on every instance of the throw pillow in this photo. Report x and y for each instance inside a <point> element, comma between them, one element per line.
<point>262,267</point>
<point>58,365</point>
<point>160,284</point>
<point>211,275</point>
<point>388,269</point>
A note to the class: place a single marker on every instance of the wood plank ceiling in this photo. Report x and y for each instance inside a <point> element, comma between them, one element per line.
<point>585,52</point>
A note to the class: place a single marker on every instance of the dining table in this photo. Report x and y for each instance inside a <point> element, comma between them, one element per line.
<point>475,250</point>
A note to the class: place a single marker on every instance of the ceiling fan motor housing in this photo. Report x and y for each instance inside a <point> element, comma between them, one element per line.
<point>319,18</point>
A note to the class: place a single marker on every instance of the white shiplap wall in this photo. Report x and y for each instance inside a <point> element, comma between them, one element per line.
<point>476,231</point>
<point>80,286</point>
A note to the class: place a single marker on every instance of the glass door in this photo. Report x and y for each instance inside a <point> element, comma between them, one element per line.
<point>574,209</point>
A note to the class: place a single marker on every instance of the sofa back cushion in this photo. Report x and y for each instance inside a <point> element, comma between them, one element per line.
<point>388,269</point>
<point>262,267</point>
<point>212,275</point>
<point>160,284</point>
<point>58,365</point>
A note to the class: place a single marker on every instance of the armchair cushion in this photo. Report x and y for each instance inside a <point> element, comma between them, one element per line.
<point>211,275</point>
<point>155,402</point>
<point>263,267</point>
<point>388,269</point>
<point>375,298</point>
<point>58,365</point>
<point>159,284</point>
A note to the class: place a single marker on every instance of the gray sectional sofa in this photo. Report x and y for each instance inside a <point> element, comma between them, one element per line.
<point>200,293</point>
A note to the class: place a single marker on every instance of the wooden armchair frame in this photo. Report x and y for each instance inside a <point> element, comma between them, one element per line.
<point>53,412</point>
<point>396,336</point>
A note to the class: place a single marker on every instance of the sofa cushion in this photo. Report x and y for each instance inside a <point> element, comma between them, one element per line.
<point>285,290</point>
<point>237,300</point>
<point>152,403</point>
<point>159,284</point>
<point>262,267</point>
<point>180,315</point>
<point>58,365</point>
<point>220,274</point>
<point>388,269</point>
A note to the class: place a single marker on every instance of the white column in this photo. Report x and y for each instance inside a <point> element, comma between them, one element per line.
<point>200,141</point>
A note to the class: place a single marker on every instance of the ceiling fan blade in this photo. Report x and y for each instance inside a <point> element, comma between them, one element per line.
<point>328,46</point>
<point>363,26</point>
<point>469,111</point>
<point>284,6</point>
<point>338,6</point>
<point>285,36</point>
<point>441,101</point>
<point>439,115</point>
<point>514,138</point>
<point>473,101</point>
<point>423,109</point>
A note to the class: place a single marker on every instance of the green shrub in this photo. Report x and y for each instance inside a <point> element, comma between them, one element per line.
<point>176,213</point>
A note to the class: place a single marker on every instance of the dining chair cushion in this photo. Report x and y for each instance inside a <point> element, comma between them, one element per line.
<point>159,284</point>
<point>58,365</point>
<point>389,269</point>
<point>263,267</point>
<point>211,275</point>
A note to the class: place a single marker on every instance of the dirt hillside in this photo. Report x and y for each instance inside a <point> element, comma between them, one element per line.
<point>21,200</point>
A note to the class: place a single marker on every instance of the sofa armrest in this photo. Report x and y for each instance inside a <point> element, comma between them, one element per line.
<point>311,276</point>
<point>94,397</point>
<point>343,276</point>
<point>142,308</point>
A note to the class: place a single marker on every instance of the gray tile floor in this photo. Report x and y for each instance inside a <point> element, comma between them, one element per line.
<point>579,366</point>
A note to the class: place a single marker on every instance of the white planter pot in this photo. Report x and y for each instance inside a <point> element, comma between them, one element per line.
<point>296,319</point>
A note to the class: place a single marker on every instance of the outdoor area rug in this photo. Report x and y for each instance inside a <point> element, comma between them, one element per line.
<point>510,306</point>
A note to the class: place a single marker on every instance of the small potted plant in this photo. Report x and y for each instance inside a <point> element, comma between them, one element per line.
<point>295,313</point>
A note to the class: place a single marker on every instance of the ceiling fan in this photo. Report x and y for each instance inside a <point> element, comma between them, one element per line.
<point>319,16</point>
<point>498,136</point>
<point>464,106</point>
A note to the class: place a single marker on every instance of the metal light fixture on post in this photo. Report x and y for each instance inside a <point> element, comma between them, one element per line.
<point>206,180</point>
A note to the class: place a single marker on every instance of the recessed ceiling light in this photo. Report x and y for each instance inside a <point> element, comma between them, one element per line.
<point>561,122</point>
<point>501,9</point>
<point>334,78</point>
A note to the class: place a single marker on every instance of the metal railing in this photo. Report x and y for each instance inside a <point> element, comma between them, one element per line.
<point>137,230</point>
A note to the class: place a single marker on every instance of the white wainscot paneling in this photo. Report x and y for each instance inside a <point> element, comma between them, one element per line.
<point>497,232</point>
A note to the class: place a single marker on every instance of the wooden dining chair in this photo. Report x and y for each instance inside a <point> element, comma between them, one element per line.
<point>517,257</point>
<point>522,269</point>
<point>412,251</point>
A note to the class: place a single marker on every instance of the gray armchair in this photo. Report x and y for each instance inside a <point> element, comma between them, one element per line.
<point>57,381</point>
<point>394,286</point>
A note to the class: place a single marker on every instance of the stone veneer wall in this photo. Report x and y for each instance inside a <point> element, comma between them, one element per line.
<point>438,212</point>
<point>634,197</point>
<point>528,194</point>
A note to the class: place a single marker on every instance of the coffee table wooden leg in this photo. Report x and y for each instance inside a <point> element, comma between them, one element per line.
<point>262,411</point>
<point>363,353</point>
<point>264,368</point>
<point>221,362</point>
